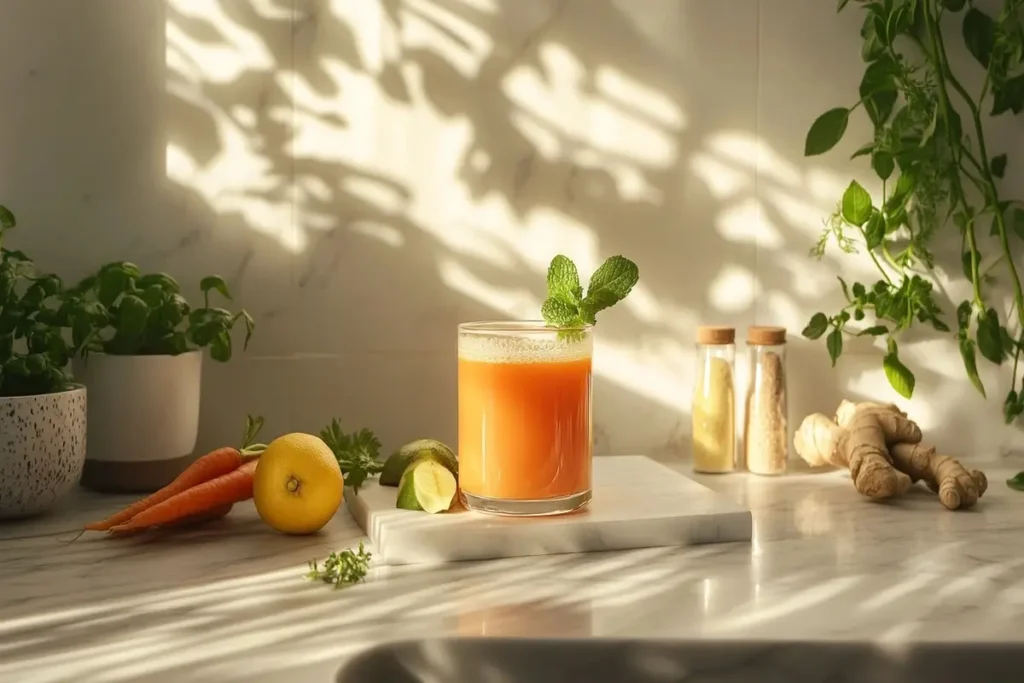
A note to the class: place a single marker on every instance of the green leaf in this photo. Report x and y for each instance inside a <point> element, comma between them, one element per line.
<point>998,165</point>
<point>970,363</point>
<point>874,231</point>
<point>1018,222</point>
<point>826,131</point>
<point>872,48</point>
<point>1012,408</point>
<point>7,219</point>
<point>115,279</point>
<point>564,280</point>
<point>875,331</point>
<point>904,187</point>
<point>963,315</point>
<point>250,327</point>
<point>616,277</point>
<point>163,281</point>
<point>834,342</point>
<point>558,313</point>
<point>856,206</point>
<point>595,302</point>
<point>883,164</point>
<point>899,375</point>
<point>990,338</point>
<point>864,150</point>
<point>979,31</point>
<point>220,346</point>
<point>816,327</point>
<point>846,290</point>
<point>132,314</point>
<point>1008,96</point>
<point>858,291</point>
<point>216,282</point>
<point>954,5</point>
<point>841,5</point>
<point>967,261</point>
<point>878,77</point>
<point>880,105</point>
<point>1016,482</point>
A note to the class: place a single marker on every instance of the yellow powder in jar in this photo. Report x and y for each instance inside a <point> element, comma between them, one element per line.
<point>714,417</point>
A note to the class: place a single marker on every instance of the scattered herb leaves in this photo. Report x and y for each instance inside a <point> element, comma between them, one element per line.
<point>343,568</point>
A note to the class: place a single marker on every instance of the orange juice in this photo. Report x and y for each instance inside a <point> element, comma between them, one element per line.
<point>525,432</point>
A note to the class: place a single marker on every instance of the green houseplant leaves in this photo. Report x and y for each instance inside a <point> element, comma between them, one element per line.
<point>936,170</point>
<point>33,352</point>
<point>122,311</point>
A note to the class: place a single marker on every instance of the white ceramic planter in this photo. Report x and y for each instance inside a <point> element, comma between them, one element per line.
<point>143,418</point>
<point>42,450</point>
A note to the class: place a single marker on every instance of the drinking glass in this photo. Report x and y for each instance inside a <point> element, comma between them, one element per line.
<point>525,423</point>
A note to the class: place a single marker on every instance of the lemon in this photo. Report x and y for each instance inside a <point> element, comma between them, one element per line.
<point>426,485</point>
<point>396,465</point>
<point>298,485</point>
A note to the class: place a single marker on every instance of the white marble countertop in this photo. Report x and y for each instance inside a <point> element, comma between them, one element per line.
<point>229,602</point>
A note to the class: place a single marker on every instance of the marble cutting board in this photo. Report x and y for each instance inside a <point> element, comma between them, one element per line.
<point>638,503</point>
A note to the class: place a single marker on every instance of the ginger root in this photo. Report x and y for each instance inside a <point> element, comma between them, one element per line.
<point>882,448</point>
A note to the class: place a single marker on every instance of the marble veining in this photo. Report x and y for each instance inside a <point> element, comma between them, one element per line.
<point>229,603</point>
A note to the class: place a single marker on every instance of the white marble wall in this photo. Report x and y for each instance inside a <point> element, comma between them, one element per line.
<point>368,173</point>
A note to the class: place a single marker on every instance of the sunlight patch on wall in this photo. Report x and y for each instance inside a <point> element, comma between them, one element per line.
<point>630,94</point>
<point>198,61</point>
<point>619,125</point>
<point>743,222</point>
<point>511,303</point>
<point>237,178</point>
<point>733,290</point>
<point>431,26</point>
<point>745,151</point>
<point>723,180</point>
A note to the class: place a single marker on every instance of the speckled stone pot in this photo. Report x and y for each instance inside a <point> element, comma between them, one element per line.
<point>42,450</point>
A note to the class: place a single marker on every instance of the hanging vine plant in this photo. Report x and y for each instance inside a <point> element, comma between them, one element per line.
<point>936,169</point>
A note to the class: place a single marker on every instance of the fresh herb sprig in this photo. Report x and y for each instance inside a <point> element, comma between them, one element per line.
<point>342,568</point>
<point>357,453</point>
<point>567,306</point>
<point>934,168</point>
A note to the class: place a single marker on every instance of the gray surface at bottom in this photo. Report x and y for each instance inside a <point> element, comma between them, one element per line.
<point>486,660</point>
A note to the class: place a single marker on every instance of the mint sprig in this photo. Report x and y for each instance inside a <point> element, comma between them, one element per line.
<point>568,307</point>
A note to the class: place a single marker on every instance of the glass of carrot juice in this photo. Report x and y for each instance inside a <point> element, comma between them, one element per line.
<point>525,425</point>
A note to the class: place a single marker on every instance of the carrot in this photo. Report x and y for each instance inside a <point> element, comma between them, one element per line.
<point>232,487</point>
<point>210,466</point>
<point>203,517</point>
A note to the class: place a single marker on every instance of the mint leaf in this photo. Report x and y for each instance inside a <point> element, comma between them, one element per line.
<point>595,302</point>
<point>618,275</point>
<point>560,313</point>
<point>564,280</point>
<point>567,307</point>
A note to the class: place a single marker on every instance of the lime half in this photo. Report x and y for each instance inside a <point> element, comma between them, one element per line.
<point>394,466</point>
<point>426,485</point>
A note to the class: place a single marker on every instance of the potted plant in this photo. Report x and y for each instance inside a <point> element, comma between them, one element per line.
<point>42,414</point>
<point>139,352</point>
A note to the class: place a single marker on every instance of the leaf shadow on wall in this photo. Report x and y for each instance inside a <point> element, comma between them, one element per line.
<point>430,183</point>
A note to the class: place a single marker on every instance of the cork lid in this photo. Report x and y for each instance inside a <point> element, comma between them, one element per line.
<point>716,334</point>
<point>759,335</point>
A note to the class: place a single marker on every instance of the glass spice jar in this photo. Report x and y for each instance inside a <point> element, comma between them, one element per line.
<point>766,421</point>
<point>714,401</point>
